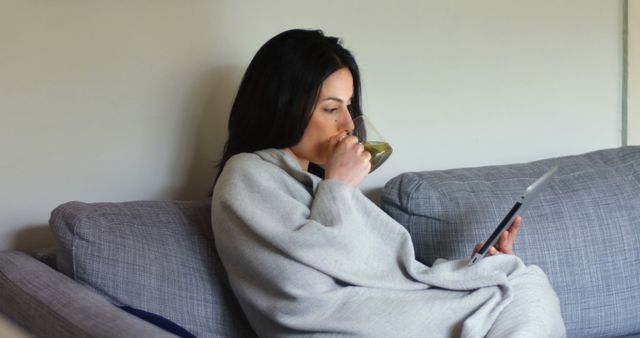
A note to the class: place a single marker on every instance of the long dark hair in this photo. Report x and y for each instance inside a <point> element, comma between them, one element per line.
<point>280,88</point>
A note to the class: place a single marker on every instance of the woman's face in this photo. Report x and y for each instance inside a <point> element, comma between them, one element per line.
<point>330,117</point>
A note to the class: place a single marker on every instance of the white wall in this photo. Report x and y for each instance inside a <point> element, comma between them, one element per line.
<point>633,76</point>
<point>106,101</point>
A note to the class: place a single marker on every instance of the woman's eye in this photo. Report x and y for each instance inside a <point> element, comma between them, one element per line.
<point>331,110</point>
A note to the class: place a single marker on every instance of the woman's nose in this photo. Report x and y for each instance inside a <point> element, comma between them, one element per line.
<point>347,123</point>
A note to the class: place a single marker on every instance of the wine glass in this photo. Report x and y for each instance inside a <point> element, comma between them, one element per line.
<point>372,141</point>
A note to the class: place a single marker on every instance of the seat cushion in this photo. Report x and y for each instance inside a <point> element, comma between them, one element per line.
<point>583,229</point>
<point>156,256</point>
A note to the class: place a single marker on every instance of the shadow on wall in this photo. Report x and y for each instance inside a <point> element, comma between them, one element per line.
<point>33,237</point>
<point>375,195</point>
<point>207,132</point>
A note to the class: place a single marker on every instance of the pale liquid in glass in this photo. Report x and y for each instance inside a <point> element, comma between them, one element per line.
<point>380,152</point>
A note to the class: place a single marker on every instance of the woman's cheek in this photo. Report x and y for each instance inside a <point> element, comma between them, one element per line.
<point>323,152</point>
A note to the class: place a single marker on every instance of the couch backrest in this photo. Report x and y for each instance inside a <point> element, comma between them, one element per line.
<point>583,230</point>
<point>156,256</point>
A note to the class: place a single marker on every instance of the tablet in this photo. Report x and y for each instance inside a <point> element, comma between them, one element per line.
<point>532,191</point>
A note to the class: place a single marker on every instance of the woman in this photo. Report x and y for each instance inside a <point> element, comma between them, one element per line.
<point>307,255</point>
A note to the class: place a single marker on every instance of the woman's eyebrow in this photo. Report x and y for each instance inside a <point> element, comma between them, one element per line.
<point>333,98</point>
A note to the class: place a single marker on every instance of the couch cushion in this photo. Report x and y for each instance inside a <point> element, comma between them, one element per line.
<point>157,256</point>
<point>583,230</point>
<point>47,303</point>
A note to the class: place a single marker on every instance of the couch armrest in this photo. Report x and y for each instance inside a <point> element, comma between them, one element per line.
<point>49,304</point>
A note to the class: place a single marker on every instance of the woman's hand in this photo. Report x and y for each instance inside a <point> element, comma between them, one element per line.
<point>347,161</point>
<point>505,242</point>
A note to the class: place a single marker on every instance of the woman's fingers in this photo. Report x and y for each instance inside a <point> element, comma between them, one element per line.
<point>477,248</point>
<point>505,243</point>
<point>492,251</point>
<point>347,161</point>
<point>515,227</point>
<point>333,142</point>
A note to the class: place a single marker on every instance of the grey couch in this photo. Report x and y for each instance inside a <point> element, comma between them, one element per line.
<point>149,268</point>
<point>583,230</point>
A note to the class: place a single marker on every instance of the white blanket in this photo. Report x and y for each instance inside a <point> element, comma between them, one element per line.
<point>315,257</point>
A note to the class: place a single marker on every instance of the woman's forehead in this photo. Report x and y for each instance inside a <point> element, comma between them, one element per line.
<point>338,86</point>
